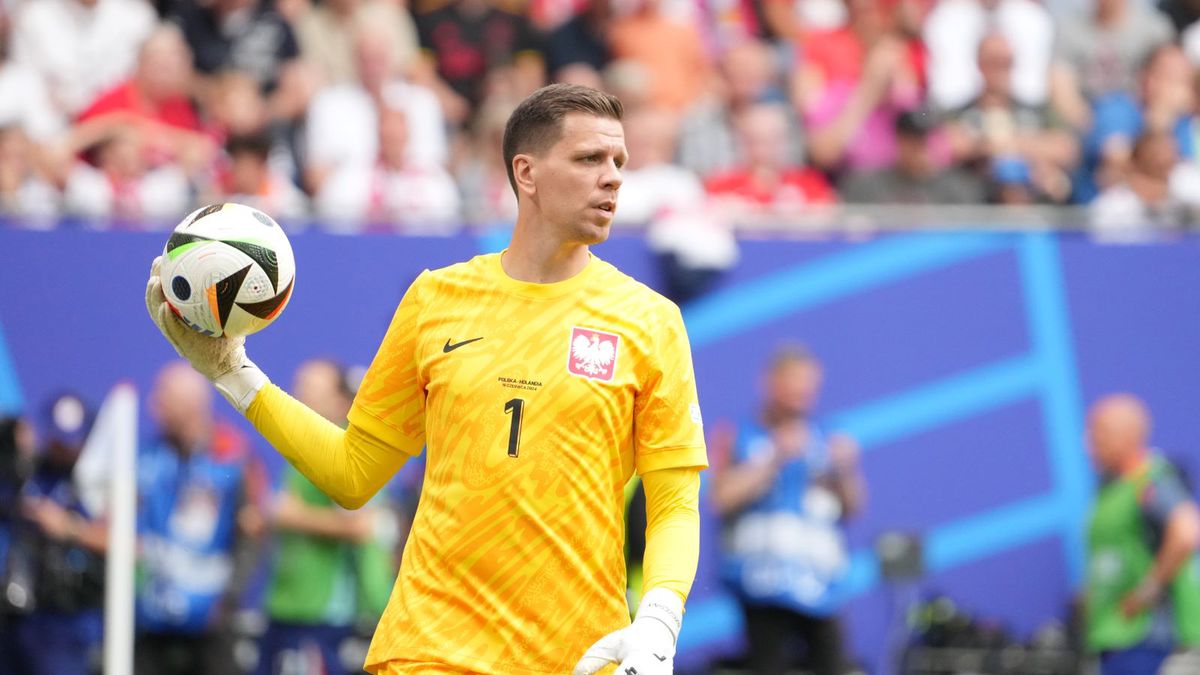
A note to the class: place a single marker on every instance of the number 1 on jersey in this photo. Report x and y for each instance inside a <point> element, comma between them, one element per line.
<point>517,408</point>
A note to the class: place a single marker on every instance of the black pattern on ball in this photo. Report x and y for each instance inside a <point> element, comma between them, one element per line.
<point>181,288</point>
<point>265,258</point>
<point>207,211</point>
<point>266,308</point>
<point>227,290</point>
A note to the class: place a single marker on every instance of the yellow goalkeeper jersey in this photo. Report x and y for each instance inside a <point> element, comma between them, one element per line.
<point>536,403</point>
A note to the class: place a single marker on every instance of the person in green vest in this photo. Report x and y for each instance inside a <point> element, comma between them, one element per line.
<point>1143,583</point>
<point>333,569</point>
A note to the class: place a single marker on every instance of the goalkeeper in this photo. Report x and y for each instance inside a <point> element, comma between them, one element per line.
<point>538,379</point>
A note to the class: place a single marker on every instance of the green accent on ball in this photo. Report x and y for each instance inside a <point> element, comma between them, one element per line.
<point>180,250</point>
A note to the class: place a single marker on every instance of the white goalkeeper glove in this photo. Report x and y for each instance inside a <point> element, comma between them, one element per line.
<point>645,647</point>
<point>222,360</point>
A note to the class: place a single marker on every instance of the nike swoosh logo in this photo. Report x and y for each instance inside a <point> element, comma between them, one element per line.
<point>660,658</point>
<point>451,347</point>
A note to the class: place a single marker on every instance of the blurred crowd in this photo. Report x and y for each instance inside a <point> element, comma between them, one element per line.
<point>374,115</point>
<point>236,572</point>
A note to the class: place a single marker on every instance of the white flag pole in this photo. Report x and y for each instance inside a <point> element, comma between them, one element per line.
<point>121,427</point>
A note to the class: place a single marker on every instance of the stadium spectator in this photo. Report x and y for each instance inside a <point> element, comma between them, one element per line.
<point>851,84</point>
<point>25,191</point>
<point>24,99</point>
<point>395,191</point>
<point>331,570</point>
<point>80,48</point>
<point>768,185</point>
<point>953,31</point>
<point>1142,593</point>
<point>1159,193</point>
<point>747,73</point>
<point>251,37</point>
<point>1100,52</point>
<point>464,41</point>
<point>654,186</point>
<point>343,120</point>
<point>783,486</point>
<point>582,40</point>
<point>248,178</point>
<point>671,51</point>
<point>693,247</point>
<point>915,178</point>
<point>487,197</point>
<point>61,548</point>
<point>326,35</point>
<point>120,190</point>
<point>1165,100</point>
<point>193,513</point>
<point>996,126</point>
<point>155,105</point>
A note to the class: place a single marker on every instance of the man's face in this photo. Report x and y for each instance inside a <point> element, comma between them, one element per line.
<point>794,386</point>
<point>181,400</point>
<point>1105,444</point>
<point>576,180</point>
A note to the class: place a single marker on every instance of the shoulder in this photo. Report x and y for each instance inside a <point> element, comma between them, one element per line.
<point>621,284</point>
<point>469,274</point>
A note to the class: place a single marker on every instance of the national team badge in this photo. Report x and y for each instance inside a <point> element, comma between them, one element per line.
<point>593,354</point>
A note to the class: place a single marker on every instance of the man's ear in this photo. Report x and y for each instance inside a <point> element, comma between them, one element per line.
<point>523,173</point>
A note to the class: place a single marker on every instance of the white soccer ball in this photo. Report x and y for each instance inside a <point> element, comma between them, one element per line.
<point>228,269</point>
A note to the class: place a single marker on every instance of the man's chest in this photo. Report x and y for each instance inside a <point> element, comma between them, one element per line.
<point>515,376</point>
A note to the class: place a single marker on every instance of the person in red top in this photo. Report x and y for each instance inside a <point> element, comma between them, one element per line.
<point>769,184</point>
<point>154,102</point>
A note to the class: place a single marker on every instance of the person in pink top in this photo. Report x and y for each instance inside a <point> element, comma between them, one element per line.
<point>852,83</point>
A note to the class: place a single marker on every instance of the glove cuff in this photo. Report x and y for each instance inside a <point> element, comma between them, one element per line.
<point>664,606</point>
<point>241,386</point>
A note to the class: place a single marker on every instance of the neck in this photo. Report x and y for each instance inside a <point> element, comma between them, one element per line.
<point>190,436</point>
<point>536,258</point>
<point>993,98</point>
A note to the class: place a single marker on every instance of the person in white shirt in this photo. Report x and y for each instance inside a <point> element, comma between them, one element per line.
<point>1159,195</point>
<point>654,185</point>
<point>120,191</point>
<point>953,31</point>
<point>24,191</point>
<point>80,48</point>
<point>394,193</point>
<point>342,121</point>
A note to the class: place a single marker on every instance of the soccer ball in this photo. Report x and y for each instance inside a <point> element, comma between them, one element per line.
<point>227,269</point>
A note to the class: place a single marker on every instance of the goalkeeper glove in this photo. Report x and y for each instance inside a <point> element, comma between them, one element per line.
<point>645,647</point>
<point>222,360</point>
